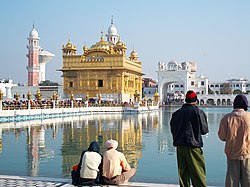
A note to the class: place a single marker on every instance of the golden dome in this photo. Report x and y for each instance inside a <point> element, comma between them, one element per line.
<point>69,45</point>
<point>85,48</point>
<point>156,94</point>
<point>120,45</point>
<point>133,54</point>
<point>100,46</point>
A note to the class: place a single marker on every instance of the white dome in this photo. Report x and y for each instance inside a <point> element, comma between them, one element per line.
<point>112,30</point>
<point>172,65</point>
<point>33,33</point>
<point>173,62</point>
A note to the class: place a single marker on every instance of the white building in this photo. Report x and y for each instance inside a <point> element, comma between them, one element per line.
<point>241,85</point>
<point>175,79</point>
<point>6,86</point>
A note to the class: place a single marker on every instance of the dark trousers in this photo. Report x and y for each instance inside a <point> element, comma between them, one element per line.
<point>191,165</point>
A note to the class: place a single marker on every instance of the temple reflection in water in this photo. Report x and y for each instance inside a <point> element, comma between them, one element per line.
<point>50,147</point>
<point>65,138</point>
<point>79,133</point>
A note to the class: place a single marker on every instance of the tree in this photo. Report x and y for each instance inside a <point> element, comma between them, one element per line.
<point>226,89</point>
<point>48,83</point>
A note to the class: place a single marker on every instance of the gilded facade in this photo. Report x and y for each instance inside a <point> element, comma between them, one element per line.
<point>103,70</point>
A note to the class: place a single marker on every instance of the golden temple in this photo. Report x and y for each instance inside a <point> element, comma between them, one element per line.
<point>103,70</point>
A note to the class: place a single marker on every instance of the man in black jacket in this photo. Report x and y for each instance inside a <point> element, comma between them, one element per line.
<point>187,125</point>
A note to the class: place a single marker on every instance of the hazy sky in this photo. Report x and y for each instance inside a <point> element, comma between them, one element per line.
<point>213,33</point>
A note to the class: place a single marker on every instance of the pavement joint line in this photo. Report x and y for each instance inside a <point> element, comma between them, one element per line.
<point>9,180</point>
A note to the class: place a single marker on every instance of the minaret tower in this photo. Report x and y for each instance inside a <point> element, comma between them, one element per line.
<point>33,58</point>
<point>112,35</point>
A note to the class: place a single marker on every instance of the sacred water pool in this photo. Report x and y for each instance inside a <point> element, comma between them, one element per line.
<point>50,147</point>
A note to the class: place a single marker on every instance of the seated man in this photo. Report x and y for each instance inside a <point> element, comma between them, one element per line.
<point>116,170</point>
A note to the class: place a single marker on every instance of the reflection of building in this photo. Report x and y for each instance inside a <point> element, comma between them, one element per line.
<point>165,141</point>
<point>32,149</point>
<point>125,129</point>
<point>1,145</point>
<point>58,142</point>
<point>102,69</point>
<point>36,149</point>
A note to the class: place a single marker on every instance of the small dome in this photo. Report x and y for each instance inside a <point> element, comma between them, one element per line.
<point>112,30</point>
<point>85,48</point>
<point>172,65</point>
<point>173,62</point>
<point>156,94</point>
<point>69,46</point>
<point>33,33</point>
<point>101,45</point>
<point>120,45</point>
<point>133,54</point>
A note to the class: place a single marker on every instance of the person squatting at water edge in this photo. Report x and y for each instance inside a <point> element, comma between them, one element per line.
<point>116,169</point>
<point>88,171</point>
<point>187,125</point>
<point>235,131</point>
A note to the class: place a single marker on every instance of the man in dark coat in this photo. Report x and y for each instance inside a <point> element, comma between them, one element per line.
<point>187,125</point>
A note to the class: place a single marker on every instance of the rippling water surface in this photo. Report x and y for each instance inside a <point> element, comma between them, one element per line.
<point>50,147</point>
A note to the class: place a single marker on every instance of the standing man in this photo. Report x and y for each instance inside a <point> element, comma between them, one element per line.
<point>187,125</point>
<point>235,131</point>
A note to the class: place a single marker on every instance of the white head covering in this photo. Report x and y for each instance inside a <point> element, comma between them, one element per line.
<point>111,143</point>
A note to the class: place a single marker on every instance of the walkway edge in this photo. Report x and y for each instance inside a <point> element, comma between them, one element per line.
<point>67,182</point>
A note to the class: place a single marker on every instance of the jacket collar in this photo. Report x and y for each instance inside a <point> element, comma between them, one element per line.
<point>239,110</point>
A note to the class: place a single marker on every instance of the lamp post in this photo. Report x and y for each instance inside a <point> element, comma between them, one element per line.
<point>156,98</point>
<point>72,99</point>
<point>136,99</point>
<point>136,96</point>
<point>54,97</point>
<point>29,98</point>
<point>17,96</point>
<point>87,100</point>
<point>99,99</point>
<point>38,95</point>
<point>1,98</point>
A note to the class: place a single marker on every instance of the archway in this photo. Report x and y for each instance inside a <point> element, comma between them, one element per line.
<point>171,74</point>
<point>223,102</point>
<point>210,102</point>
<point>172,93</point>
<point>218,102</point>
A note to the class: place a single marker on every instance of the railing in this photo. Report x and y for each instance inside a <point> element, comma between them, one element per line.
<point>17,105</point>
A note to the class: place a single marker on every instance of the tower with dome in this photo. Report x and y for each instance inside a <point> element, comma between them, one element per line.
<point>37,59</point>
<point>103,71</point>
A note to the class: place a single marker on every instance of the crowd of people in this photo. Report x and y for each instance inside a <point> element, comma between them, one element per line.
<point>47,104</point>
